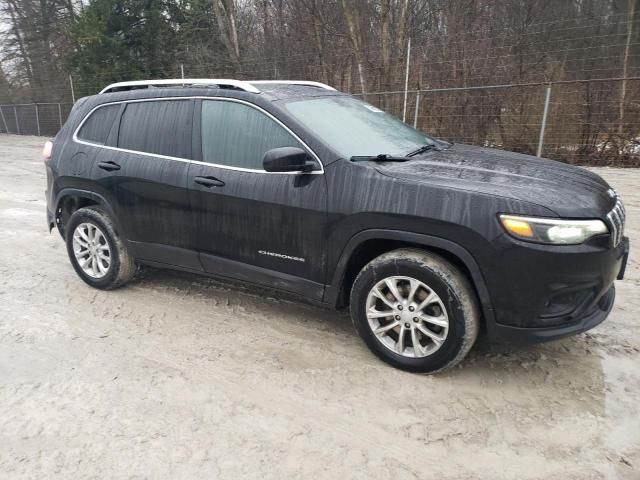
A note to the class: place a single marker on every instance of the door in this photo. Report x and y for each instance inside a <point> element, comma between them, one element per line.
<point>253,225</point>
<point>145,171</point>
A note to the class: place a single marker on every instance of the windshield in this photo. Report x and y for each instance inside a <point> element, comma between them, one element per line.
<point>355,128</point>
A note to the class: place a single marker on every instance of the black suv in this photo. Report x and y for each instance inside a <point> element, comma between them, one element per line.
<point>301,188</point>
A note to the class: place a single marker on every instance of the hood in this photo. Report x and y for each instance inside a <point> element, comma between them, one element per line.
<point>567,190</point>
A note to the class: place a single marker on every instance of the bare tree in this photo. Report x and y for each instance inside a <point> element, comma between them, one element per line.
<point>360,46</point>
<point>226,17</point>
<point>351,16</point>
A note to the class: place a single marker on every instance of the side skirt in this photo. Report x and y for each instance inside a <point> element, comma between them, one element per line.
<point>262,276</point>
<point>164,256</point>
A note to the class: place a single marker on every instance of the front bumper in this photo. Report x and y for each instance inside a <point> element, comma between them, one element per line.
<point>554,293</point>
<point>507,334</point>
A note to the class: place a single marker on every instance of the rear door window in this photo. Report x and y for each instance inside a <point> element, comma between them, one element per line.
<point>239,135</point>
<point>96,128</point>
<point>161,127</point>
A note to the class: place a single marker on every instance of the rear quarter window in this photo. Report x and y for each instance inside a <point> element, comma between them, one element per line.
<point>97,126</point>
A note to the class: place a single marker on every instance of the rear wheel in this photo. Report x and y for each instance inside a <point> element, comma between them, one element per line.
<point>415,310</point>
<point>96,251</point>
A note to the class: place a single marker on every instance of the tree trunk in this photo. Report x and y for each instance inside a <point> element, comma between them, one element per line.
<point>226,18</point>
<point>356,42</point>
<point>385,43</point>
<point>17,25</point>
<point>318,27</point>
<point>401,36</point>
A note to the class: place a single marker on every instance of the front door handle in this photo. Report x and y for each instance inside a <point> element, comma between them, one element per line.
<point>209,182</point>
<point>108,166</point>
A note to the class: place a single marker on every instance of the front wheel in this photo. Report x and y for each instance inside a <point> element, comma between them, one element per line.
<point>415,310</point>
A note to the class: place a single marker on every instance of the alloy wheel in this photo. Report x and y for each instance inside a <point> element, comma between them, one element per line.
<point>91,250</point>
<point>407,316</point>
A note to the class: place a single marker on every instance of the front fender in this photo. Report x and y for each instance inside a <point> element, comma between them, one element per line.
<point>332,290</point>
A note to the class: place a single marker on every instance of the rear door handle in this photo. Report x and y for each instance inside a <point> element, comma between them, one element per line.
<point>209,182</point>
<point>108,166</point>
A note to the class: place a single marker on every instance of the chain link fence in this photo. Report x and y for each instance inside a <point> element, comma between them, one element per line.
<point>43,119</point>
<point>578,122</point>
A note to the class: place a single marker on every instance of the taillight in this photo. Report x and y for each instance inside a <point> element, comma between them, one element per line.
<point>46,151</point>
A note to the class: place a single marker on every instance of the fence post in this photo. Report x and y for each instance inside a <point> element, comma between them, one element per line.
<point>544,121</point>
<point>4,121</point>
<point>15,114</point>
<point>415,115</point>
<point>60,115</point>
<point>37,119</point>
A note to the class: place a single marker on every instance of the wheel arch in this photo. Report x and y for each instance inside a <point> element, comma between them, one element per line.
<point>369,244</point>
<point>69,200</point>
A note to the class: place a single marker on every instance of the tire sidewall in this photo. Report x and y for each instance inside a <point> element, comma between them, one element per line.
<point>100,220</point>
<point>434,279</point>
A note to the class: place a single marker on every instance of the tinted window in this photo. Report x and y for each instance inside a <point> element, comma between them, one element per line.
<point>353,127</point>
<point>239,135</point>
<point>97,127</point>
<point>162,127</point>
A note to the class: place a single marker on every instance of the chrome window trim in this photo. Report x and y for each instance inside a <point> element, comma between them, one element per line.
<point>198,162</point>
<point>89,142</point>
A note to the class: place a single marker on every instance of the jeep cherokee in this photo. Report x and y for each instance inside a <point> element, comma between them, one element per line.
<point>301,188</point>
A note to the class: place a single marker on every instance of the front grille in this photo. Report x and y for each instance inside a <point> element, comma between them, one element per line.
<point>616,219</point>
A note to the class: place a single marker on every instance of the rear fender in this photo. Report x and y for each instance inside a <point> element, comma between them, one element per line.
<point>95,197</point>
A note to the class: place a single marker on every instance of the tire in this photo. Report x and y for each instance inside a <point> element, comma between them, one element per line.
<point>117,264</point>
<point>454,307</point>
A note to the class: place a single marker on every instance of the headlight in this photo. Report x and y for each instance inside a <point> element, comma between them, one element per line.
<point>551,230</point>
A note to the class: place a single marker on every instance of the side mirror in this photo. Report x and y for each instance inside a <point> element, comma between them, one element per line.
<point>288,159</point>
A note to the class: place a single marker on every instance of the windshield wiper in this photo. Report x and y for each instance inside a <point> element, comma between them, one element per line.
<point>424,148</point>
<point>383,157</point>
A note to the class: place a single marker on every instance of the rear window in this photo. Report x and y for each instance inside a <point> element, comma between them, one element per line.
<point>97,127</point>
<point>161,127</point>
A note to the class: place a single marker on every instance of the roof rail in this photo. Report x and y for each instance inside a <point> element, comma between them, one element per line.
<point>239,84</point>
<point>293,82</point>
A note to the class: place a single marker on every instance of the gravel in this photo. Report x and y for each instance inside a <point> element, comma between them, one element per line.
<point>180,376</point>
